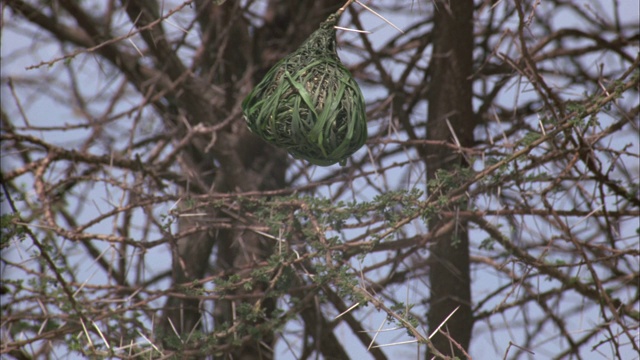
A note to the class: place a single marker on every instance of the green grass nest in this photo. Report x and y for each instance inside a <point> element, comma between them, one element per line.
<point>309,104</point>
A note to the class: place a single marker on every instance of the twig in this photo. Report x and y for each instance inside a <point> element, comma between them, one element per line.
<point>344,7</point>
<point>111,41</point>
<point>378,15</point>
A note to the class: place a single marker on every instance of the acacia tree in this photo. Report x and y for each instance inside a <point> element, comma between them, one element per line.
<point>493,211</point>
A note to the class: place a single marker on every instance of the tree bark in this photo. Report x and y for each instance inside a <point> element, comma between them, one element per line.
<point>245,163</point>
<point>450,100</point>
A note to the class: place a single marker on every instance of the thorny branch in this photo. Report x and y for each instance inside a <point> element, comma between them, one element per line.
<point>116,133</point>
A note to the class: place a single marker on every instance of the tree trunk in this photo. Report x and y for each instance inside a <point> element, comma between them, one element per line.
<point>246,163</point>
<point>450,100</point>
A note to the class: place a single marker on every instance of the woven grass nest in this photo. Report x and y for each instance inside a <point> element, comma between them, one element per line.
<point>309,104</point>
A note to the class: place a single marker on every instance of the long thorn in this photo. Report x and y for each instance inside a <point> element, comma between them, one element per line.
<point>378,15</point>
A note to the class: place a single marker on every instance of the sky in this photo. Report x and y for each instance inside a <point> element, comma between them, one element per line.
<point>44,111</point>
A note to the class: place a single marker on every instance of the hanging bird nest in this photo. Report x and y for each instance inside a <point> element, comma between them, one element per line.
<point>309,104</point>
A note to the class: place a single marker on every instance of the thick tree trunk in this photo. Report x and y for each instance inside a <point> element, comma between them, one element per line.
<point>237,162</point>
<point>450,100</point>
<point>246,163</point>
